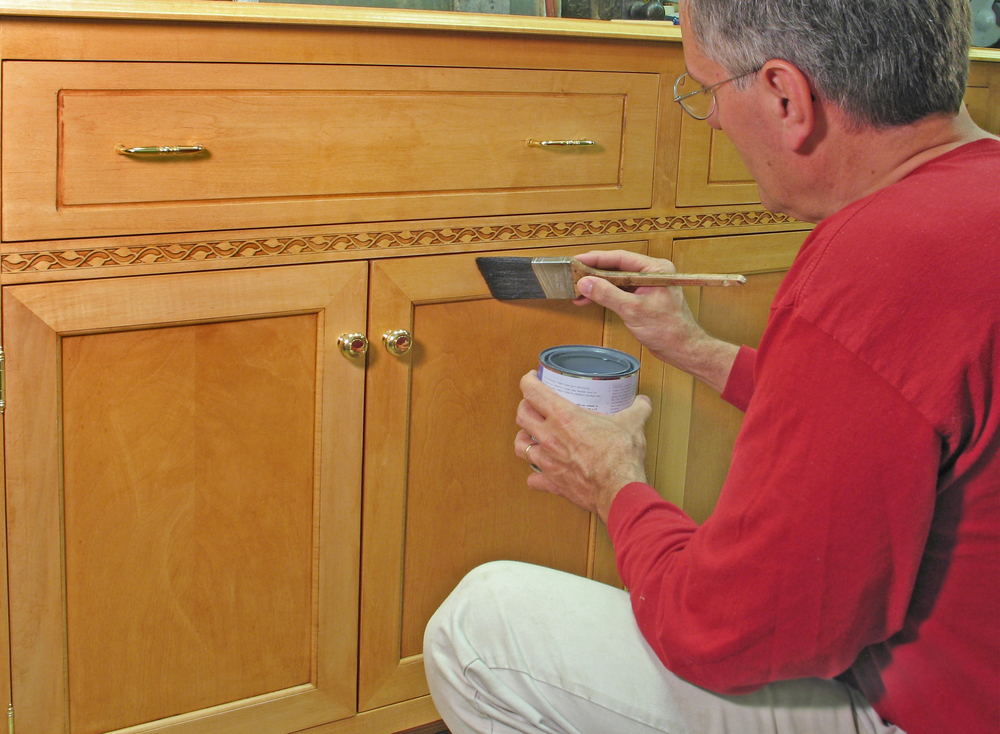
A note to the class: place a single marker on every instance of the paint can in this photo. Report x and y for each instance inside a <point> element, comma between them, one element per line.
<point>596,378</point>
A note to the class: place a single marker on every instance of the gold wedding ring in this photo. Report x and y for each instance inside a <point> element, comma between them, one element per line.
<point>533,467</point>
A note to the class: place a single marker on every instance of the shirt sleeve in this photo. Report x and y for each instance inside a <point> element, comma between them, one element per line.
<point>813,549</point>
<point>740,384</point>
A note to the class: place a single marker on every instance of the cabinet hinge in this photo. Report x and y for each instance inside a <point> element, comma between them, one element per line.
<point>10,719</point>
<point>3,405</point>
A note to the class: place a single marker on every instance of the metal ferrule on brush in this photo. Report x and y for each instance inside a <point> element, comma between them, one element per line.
<point>554,277</point>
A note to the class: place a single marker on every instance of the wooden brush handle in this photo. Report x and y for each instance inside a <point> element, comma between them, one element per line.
<point>621,278</point>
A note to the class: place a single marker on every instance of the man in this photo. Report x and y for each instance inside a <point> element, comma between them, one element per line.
<point>849,578</point>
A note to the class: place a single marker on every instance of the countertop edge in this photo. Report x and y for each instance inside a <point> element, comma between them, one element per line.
<point>226,11</point>
<point>985,54</point>
<point>216,11</point>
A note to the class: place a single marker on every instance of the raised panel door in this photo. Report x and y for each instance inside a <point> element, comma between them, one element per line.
<point>710,169</point>
<point>183,499</point>
<point>698,428</point>
<point>444,491</point>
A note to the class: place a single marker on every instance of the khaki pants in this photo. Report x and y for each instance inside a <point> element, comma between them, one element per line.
<point>521,648</point>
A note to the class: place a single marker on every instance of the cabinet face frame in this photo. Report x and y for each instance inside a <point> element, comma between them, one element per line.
<point>398,286</point>
<point>36,318</point>
<point>696,426</point>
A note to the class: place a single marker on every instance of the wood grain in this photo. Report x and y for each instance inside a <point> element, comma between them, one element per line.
<point>182,531</point>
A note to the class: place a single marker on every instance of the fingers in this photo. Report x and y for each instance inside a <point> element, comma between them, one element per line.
<point>528,449</point>
<point>523,445</point>
<point>604,294</point>
<point>636,415</point>
<point>625,260</point>
<point>539,401</point>
<point>543,414</point>
<point>522,440</point>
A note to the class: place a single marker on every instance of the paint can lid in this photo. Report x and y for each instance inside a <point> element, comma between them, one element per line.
<point>581,360</point>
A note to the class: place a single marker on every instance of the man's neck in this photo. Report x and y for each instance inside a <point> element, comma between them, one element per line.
<point>853,164</point>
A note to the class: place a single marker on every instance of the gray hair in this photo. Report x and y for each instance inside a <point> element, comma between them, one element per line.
<point>884,62</point>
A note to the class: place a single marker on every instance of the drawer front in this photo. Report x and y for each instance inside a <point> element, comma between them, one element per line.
<point>313,144</point>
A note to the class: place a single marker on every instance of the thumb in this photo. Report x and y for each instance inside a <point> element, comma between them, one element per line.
<point>637,413</point>
<point>603,293</point>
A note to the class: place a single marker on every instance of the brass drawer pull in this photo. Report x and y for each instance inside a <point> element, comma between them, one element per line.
<point>161,150</point>
<point>558,143</point>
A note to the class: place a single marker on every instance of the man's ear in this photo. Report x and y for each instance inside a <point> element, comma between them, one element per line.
<point>790,99</point>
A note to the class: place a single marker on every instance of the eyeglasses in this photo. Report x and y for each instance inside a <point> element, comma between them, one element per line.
<point>700,102</point>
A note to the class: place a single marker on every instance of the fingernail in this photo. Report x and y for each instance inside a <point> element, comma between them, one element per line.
<point>585,286</point>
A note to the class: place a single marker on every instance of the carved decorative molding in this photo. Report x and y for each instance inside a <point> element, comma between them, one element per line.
<point>96,257</point>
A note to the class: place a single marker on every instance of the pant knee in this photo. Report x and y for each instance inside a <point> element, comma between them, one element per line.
<point>476,585</point>
<point>477,597</point>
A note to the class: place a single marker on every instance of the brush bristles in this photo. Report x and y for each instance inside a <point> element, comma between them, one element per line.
<point>510,278</point>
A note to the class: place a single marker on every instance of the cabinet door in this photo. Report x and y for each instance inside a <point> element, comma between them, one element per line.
<point>698,428</point>
<point>709,168</point>
<point>444,491</point>
<point>183,500</point>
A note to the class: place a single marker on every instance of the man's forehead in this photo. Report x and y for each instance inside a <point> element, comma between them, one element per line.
<point>699,67</point>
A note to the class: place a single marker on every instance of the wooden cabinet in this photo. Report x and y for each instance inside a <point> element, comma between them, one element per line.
<point>185,491</point>
<point>218,523</point>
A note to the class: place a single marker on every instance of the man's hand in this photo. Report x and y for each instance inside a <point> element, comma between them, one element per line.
<point>584,457</point>
<point>659,317</point>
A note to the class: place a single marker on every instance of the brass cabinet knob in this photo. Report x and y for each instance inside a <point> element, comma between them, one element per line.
<point>398,342</point>
<point>353,346</point>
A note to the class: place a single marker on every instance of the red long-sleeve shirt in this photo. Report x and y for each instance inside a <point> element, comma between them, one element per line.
<point>859,525</point>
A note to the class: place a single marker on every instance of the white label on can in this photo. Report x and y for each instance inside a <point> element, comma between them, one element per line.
<point>602,396</point>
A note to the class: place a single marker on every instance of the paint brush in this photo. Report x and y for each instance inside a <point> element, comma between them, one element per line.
<point>514,278</point>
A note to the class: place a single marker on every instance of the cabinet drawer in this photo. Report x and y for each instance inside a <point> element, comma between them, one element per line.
<point>313,144</point>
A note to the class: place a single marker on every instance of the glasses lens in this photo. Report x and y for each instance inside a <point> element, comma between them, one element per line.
<point>700,103</point>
